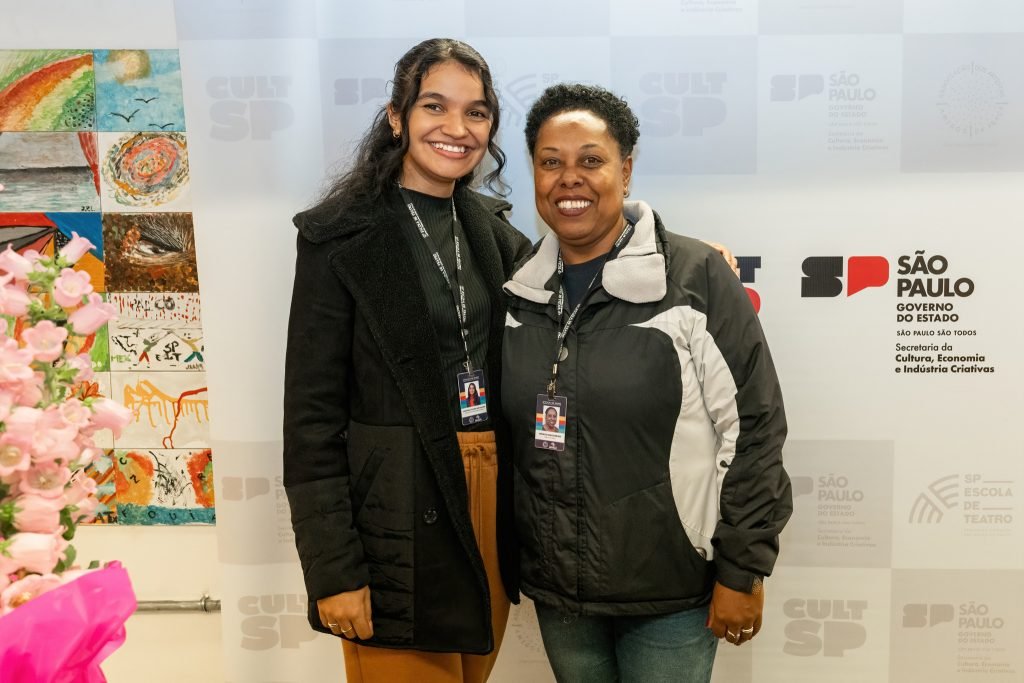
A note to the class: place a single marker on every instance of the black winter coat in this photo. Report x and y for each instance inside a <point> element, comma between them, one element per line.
<point>372,466</point>
<point>672,473</point>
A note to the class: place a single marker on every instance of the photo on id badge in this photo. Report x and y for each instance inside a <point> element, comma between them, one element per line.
<point>550,423</point>
<point>472,397</point>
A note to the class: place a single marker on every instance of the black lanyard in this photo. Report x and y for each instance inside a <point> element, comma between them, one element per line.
<point>458,299</point>
<point>616,248</point>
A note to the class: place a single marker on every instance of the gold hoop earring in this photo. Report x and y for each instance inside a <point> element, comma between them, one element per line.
<point>396,134</point>
<point>625,192</point>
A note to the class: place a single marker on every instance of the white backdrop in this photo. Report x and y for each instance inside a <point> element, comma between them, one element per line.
<point>829,142</point>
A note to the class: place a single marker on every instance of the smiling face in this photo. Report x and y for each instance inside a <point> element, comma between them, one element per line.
<point>448,128</point>
<point>551,420</point>
<point>580,180</point>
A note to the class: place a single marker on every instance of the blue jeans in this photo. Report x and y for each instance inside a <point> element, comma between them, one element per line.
<point>675,647</point>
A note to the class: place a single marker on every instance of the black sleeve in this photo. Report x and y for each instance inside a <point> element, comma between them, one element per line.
<point>316,413</point>
<point>741,390</point>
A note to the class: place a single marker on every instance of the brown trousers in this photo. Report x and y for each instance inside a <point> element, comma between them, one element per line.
<point>380,665</point>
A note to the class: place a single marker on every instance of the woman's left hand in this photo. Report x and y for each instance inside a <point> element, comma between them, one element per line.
<point>727,255</point>
<point>736,616</point>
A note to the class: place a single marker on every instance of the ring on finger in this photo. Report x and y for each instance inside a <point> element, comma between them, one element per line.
<point>749,631</point>
<point>332,626</point>
<point>346,630</point>
<point>729,635</point>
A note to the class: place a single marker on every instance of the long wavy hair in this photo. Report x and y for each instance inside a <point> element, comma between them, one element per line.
<point>377,163</point>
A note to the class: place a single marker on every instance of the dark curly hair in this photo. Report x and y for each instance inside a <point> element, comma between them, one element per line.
<point>604,104</point>
<point>377,163</point>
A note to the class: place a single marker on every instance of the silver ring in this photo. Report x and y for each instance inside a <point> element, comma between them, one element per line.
<point>747,631</point>
<point>730,635</point>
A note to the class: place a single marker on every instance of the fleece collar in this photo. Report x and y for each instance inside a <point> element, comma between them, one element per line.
<point>636,275</point>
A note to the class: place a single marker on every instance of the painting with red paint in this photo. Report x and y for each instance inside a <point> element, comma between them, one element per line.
<point>47,90</point>
<point>156,331</point>
<point>48,172</point>
<point>171,409</point>
<point>162,486</point>
<point>142,172</point>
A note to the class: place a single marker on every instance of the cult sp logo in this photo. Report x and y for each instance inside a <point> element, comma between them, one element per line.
<point>683,104</point>
<point>253,107</point>
<point>826,627</point>
<point>823,275</point>
<point>274,620</point>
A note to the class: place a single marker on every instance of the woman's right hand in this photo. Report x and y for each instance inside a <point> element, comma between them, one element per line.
<point>348,614</point>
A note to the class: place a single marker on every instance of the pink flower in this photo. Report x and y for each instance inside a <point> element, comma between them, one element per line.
<point>54,439</point>
<point>83,363</point>
<point>108,414</point>
<point>92,316</point>
<point>45,340</point>
<point>23,590</point>
<point>75,413</point>
<point>46,480</point>
<point>38,514</point>
<point>38,553</point>
<point>13,458</point>
<point>86,456</point>
<point>85,509</point>
<point>14,264</point>
<point>76,248</point>
<point>21,424</point>
<point>81,487</point>
<point>30,392</point>
<point>71,287</point>
<point>14,299</point>
<point>6,402</point>
<point>15,363</point>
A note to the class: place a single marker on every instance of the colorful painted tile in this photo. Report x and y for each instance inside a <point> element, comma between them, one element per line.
<point>47,233</point>
<point>156,332</point>
<point>170,409</point>
<point>46,90</point>
<point>49,172</point>
<point>151,252</point>
<point>103,472</point>
<point>138,90</point>
<point>141,172</point>
<point>163,486</point>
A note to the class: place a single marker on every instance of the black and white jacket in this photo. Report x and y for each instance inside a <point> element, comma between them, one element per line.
<point>672,476</point>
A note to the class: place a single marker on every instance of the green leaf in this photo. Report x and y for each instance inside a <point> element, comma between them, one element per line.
<point>69,556</point>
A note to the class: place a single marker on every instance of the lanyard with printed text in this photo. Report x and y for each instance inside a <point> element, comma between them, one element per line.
<point>458,299</point>
<point>619,243</point>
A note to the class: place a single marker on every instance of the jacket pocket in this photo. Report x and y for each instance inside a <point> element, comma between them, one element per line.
<point>383,481</point>
<point>641,552</point>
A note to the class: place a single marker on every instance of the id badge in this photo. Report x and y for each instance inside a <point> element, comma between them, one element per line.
<point>549,432</point>
<point>472,397</point>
